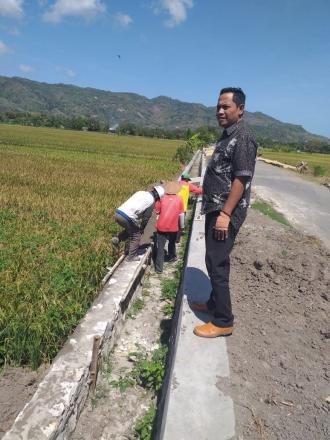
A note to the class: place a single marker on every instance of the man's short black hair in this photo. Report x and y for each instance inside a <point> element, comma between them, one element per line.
<point>238,94</point>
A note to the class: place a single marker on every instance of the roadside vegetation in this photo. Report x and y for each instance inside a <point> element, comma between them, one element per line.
<point>58,192</point>
<point>267,209</point>
<point>195,142</point>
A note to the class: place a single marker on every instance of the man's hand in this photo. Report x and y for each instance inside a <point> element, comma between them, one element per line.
<point>221,226</point>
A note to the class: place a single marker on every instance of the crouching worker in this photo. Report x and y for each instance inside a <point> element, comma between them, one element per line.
<point>170,208</point>
<point>133,216</point>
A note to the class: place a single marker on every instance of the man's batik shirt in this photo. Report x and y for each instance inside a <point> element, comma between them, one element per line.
<point>234,156</point>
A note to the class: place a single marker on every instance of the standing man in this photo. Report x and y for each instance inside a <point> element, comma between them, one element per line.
<point>226,196</point>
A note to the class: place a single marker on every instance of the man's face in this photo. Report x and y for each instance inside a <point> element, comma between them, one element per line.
<point>228,113</point>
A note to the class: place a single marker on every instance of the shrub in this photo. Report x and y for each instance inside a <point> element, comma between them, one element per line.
<point>318,171</point>
<point>185,152</point>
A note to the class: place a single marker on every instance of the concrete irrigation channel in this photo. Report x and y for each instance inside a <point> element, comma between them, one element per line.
<point>54,409</point>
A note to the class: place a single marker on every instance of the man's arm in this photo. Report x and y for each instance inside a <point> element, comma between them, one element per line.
<point>236,192</point>
<point>223,220</point>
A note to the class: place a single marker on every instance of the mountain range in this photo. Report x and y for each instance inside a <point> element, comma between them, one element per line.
<point>23,95</point>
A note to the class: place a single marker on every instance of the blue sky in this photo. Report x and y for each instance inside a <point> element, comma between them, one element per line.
<point>278,51</point>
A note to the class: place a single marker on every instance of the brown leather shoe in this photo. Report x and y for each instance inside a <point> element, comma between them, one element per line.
<point>199,307</point>
<point>210,330</point>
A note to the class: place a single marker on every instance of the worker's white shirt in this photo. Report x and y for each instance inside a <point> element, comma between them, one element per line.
<point>139,206</point>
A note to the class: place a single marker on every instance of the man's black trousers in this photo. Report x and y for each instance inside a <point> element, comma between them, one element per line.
<point>218,266</point>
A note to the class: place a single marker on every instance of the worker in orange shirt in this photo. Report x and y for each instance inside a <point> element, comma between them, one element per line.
<point>170,209</point>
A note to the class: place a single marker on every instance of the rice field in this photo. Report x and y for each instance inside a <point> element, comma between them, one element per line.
<point>58,193</point>
<point>318,164</point>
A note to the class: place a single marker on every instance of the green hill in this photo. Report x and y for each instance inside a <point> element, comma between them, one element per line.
<point>23,95</point>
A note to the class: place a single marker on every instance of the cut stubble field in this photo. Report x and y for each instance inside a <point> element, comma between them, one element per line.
<point>58,192</point>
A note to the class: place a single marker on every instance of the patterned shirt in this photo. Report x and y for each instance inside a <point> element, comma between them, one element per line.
<point>234,156</point>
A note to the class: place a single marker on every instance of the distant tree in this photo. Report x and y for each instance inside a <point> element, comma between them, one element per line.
<point>93,124</point>
<point>78,122</point>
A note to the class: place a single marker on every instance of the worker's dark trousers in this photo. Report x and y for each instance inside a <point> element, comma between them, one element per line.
<point>161,240</point>
<point>131,232</point>
<point>218,266</point>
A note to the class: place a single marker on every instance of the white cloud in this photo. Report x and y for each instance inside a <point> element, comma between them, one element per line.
<point>11,8</point>
<point>123,20</point>
<point>66,71</point>
<point>3,48</point>
<point>70,73</point>
<point>25,68</point>
<point>177,9</point>
<point>78,8</point>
